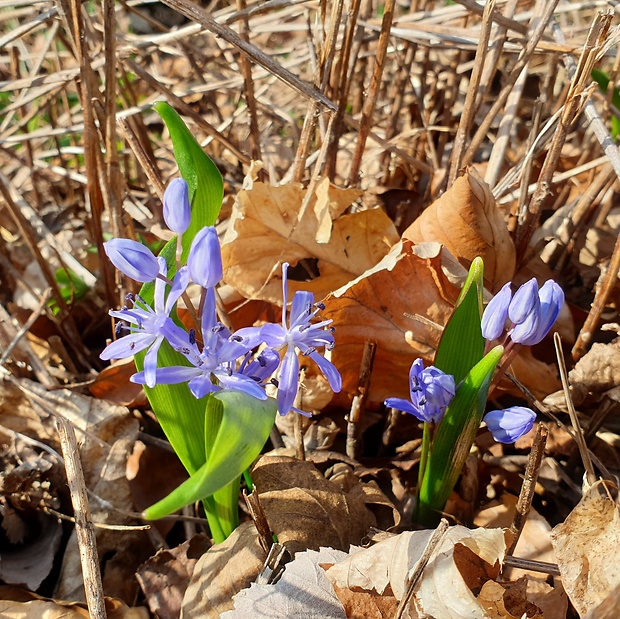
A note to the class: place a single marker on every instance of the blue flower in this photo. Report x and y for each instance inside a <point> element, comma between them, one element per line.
<point>132,259</point>
<point>431,392</point>
<point>150,326</point>
<point>205,258</point>
<point>177,210</point>
<point>300,334</point>
<point>496,314</point>
<point>508,425</point>
<point>213,367</point>
<point>531,312</point>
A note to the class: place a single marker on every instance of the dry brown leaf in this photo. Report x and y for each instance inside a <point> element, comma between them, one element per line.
<point>467,221</point>
<point>19,604</point>
<point>223,571</point>
<point>113,384</point>
<point>366,604</point>
<point>586,545</point>
<point>377,306</point>
<point>164,578</point>
<point>443,589</point>
<point>507,600</point>
<point>267,228</point>
<point>535,540</point>
<point>305,510</point>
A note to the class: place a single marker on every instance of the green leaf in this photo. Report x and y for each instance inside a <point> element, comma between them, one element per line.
<point>462,344</point>
<point>245,427</point>
<point>602,79</point>
<point>454,438</point>
<point>206,189</point>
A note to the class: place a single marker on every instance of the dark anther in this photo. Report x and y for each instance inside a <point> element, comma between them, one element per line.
<point>275,382</point>
<point>118,328</point>
<point>321,306</point>
<point>192,336</point>
<point>332,329</point>
<point>129,297</point>
<point>236,338</point>
<point>139,298</point>
<point>261,361</point>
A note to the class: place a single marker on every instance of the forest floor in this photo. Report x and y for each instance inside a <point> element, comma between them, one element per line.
<point>378,147</point>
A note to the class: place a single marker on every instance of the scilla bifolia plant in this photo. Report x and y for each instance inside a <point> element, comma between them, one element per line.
<point>450,396</point>
<point>206,386</point>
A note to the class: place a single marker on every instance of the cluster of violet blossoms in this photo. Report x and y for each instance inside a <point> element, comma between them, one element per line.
<point>530,314</point>
<point>224,360</point>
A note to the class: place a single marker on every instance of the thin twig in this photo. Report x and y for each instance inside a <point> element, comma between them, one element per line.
<point>529,485</point>
<point>84,528</point>
<point>433,543</point>
<point>359,401</point>
<point>579,438</point>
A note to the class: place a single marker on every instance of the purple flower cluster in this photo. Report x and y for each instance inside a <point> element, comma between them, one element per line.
<point>245,360</point>
<point>531,312</point>
<point>431,392</point>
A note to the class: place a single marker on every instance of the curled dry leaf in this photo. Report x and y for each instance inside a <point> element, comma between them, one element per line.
<point>305,510</point>
<point>465,560</point>
<point>223,571</point>
<point>164,578</point>
<point>586,546</point>
<point>268,227</point>
<point>467,221</point>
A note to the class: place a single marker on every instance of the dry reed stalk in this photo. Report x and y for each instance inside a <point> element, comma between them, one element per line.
<point>469,108</point>
<point>373,89</point>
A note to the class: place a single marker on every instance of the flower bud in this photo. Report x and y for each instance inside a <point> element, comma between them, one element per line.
<point>177,211</point>
<point>205,259</point>
<point>132,259</point>
<point>496,313</point>
<point>508,425</point>
<point>524,302</point>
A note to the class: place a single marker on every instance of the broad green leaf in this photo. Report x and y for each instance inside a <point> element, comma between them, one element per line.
<point>245,427</point>
<point>462,344</point>
<point>455,436</point>
<point>180,415</point>
<point>206,189</point>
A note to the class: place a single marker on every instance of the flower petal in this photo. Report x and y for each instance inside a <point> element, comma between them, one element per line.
<point>329,371</point>
<point>301,308</point>
<point>150,362</point>
<point>405,406</point>
<point>289,381</point>
<point>239,382</point>
<point>205,258</point>
<point>524,302</point>
<point>172,375</point>
<point>177,210</point>
<point>508,425</point>
<point>127,346</point>
<point>133,259</point>
<point>273,335</point>
<point>496,313</point>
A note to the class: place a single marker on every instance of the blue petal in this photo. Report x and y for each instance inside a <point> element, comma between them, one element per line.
<point>289,381</point>
<point>241,383</point>
<point>273,335</point>
<point>329,371</point>
<point>406,407</point>
<point>508,425</point>
<point>177,210</point>
<point>150,362</point>
<point>551,301</point>
<point>127,346</point>
<point>179,284</point>
<point>496,313</point>
<point>524,302</point>
<point>205,258</point>
<point>201,385</point>
<point>301,308</point>
<point>133,259</point>
<point>525,332</point>
<point>172,375</point>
